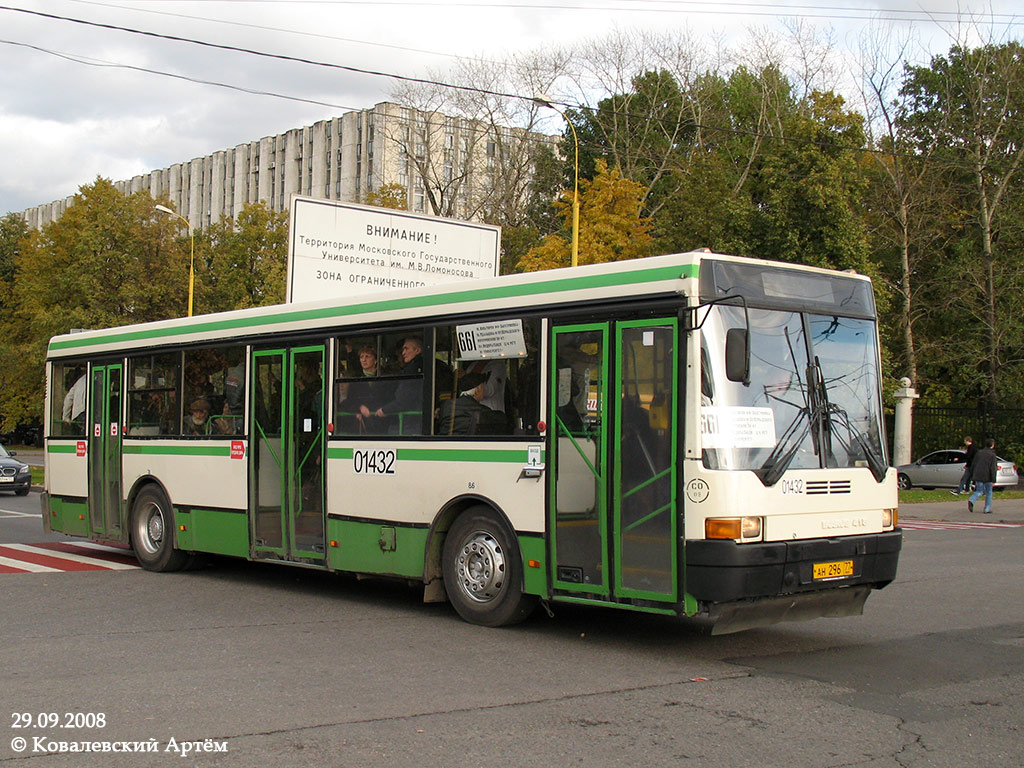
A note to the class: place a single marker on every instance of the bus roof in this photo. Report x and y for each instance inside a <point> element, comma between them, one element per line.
<point>665,275</point>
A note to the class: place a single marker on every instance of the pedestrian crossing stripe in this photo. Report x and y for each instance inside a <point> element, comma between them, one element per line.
<point>60,556</point>
<point>944,525</point>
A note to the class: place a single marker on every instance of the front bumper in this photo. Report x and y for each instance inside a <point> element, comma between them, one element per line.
<point>724,571</point>
<point>20,483</point>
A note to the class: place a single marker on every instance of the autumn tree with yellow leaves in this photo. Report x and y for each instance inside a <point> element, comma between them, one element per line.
<point>611,227</point>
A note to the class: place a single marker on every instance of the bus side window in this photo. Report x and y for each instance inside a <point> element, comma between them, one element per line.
<point>214,383</point>
<point>67,399</point>
<point>361,387</point>
<point>153,407</point>
<point>488,395</point>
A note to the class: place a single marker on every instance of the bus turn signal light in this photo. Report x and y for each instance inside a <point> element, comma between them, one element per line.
<point>890,518</point>
<point>732,528</point>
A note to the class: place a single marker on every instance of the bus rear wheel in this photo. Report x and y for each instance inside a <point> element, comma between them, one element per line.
<point>483,571</point>
<point>152,533</point>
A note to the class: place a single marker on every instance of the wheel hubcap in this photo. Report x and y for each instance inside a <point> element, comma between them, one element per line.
<point>481,567</point>
<point>151,529</point>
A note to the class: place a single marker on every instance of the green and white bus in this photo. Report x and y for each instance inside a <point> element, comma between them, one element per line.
<point>692,435</point>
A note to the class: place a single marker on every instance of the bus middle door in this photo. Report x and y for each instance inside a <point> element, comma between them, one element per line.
<point>288,457</point>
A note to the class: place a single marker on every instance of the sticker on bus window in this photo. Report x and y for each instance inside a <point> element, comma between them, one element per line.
<point>237,449</point>
<point>80,448</point>
<point>737,427</point>
<point>486,341</point>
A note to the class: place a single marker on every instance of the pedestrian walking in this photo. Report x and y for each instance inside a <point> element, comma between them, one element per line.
<point>986,465</point>
<point>970,451</point>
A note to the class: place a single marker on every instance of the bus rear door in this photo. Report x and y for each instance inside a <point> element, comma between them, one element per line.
<point>106,396</point>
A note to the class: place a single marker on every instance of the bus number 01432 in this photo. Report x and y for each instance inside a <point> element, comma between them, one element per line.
<point>373,462</point>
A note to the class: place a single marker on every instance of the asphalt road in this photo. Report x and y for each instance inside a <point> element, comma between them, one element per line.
<point>288,667</point>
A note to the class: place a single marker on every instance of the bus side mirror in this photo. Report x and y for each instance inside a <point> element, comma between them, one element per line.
<point>737,355</point>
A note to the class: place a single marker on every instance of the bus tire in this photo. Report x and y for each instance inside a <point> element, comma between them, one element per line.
<point>151,529</point>
<point>483,570</point>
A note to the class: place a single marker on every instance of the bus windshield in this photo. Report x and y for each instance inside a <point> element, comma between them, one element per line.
<point>813,399</point>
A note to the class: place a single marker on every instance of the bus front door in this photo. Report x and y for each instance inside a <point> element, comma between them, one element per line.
<point>613,517</point>
<point>287,464</point>
<point>105,451</point>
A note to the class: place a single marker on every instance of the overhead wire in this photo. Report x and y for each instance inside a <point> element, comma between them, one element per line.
<point>93,62</point>
<point>263,27</point>
<point>656,6</point>
<point>425,81</point>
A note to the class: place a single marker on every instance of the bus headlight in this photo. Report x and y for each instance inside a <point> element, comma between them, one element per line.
<point>732,528</point>
<point>890,517</point>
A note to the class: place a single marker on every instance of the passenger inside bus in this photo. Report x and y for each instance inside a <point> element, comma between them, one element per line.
<point>467,415</point>
<point>369,392</point>
<point>404,410</point>
<point>198,420</point>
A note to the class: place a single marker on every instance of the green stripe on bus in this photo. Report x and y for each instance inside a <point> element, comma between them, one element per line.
<point>492,456</point>
<point>61,448</point>
<point>177,450</point>
<point>571,284</point>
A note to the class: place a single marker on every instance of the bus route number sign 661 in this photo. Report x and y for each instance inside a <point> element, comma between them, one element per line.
<point>373,462</point>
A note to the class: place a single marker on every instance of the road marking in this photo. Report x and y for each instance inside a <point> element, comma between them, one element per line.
<point>944,525</point>
<point>13,565</point>
<point>59,556</point>
<point>70,552</point>
<point>13,513</point>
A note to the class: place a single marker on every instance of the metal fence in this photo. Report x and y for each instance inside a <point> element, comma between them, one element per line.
<point>938,428</point>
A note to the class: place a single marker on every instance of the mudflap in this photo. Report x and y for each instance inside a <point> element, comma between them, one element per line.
<point>833,603</point>
<point>44,504</point>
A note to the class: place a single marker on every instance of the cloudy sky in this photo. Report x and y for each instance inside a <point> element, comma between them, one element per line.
<point>79,100</point>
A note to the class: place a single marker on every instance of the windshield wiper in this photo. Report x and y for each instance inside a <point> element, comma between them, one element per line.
<point>782,454</point>
<point>830,410</point>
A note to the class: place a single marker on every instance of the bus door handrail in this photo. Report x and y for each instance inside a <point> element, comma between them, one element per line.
<point>579,450</point>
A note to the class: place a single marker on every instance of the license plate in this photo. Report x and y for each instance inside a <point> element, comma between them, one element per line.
<point>6,479</point>
<point>834,570</point>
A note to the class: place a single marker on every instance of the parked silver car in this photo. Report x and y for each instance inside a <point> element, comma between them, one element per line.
<point>943,469</point>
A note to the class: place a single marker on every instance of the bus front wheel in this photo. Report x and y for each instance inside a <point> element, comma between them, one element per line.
<point>483,571</point>
<point>152,532</point>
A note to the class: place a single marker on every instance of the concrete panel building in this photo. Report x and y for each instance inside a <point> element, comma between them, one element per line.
<point>448,166</point>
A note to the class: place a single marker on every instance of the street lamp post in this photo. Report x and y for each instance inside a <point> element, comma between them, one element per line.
<point>545,102</point>
<point>191,254</point>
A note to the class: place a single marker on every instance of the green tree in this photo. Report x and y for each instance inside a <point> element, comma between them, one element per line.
<point>13,233</point>
<point>109,260</point>
<point>639,132</point>
<point>611,227</point>
<point>243,261</point>
<point>966,108</point>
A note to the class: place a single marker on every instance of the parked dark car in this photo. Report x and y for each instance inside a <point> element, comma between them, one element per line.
<point>14,475</point>
<point>24,434</point>
<point>943,469</point>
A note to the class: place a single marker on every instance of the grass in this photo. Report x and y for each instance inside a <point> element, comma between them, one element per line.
<point>916,495</point>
